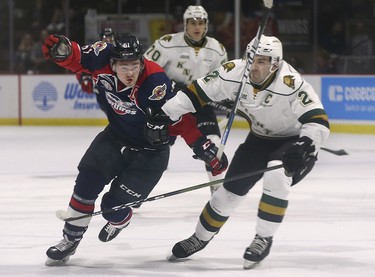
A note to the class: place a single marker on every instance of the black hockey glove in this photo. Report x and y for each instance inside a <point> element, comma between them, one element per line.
<point>156,128</point>
<point>205,150</point>
<point>297,155</point>
<point>57,48</point>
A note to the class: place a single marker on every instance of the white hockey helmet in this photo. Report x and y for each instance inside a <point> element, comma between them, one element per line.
<point>195,12</point>
<point>268,46</point>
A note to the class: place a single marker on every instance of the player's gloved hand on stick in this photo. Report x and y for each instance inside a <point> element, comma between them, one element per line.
<point>156,128</point>
<point>57,48</point>
<point>205,150</point>
<point>297,155</point>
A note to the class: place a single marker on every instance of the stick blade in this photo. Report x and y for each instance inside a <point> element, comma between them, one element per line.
<point>340,152</point>
<point>61,214</point>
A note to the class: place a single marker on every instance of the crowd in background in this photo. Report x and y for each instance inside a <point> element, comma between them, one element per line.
<point>345,29</point>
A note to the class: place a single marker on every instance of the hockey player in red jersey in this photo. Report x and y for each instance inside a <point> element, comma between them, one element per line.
<point>132,152</point>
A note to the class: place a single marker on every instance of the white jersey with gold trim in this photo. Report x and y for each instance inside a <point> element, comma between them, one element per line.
<point>276,111</point>
<point>184,63</point>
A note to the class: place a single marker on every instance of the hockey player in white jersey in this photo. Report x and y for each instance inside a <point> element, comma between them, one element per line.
<point>187,56</point>
<point>289,125</point>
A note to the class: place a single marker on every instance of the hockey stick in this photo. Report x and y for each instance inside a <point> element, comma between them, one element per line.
<point>63,215</point>
<point>340,152</point>
<point>249,61</point>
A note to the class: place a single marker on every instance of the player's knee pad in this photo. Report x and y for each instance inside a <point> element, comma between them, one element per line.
<point>275,182</point>
<point>127,193</point>
<point>89,183</point>
<point>225,202</point>
<point>109,201</point>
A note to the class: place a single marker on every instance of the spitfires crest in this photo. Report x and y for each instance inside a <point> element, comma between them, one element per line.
<point>98,47</point>
<point>119,106</point>
<point>158,92</point>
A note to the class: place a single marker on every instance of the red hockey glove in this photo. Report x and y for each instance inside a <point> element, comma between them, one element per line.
<point>205,150</point>
<point>86,83</point>
<point>57,48</point>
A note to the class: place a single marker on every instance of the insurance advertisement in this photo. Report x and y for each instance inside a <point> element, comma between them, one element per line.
<point>349,97</point>
<point>56,97</point>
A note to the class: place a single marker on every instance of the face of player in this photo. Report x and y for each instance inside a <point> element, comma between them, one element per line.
<point>128,71</point>
<point>260,69</point>
<point>195,28</point>
<point>108,39</point>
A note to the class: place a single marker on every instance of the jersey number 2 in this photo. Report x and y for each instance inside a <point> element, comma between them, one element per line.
<point>304,97</point>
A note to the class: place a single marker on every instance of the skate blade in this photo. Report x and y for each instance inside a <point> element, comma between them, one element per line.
<point>250,265</point>
<point>51,262</point>
<point>172,258</point>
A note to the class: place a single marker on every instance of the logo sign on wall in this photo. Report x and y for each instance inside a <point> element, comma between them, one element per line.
<point>57,96</point>
<point>45,96</point>
<point>349,97</point>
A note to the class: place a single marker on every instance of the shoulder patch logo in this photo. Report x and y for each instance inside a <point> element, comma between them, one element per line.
<point>229,66</point>
<point>98,46</point>
<point>159,92</point>
<point>166,38</point>
<point>289,81</point>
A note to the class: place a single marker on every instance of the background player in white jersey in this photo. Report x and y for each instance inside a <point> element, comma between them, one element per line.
<point>187,56</point>
<point>289,125</point>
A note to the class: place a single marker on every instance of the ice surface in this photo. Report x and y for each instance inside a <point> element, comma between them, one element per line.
<point>329,229</point>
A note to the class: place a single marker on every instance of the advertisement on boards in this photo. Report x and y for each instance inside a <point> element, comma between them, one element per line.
<point>9,93</point>
<point>349,97</point>
<point>57,97</point>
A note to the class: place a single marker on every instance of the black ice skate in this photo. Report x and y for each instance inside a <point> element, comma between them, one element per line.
<point>111,230</point>
<point>60,253</point>
<point>187,247</point>
<point>257,251</point>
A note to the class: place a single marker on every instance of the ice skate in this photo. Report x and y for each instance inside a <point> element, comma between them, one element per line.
<point>257,251</point>
<point>59,254</point>
<point>187,247</point>
<point>111,230</point>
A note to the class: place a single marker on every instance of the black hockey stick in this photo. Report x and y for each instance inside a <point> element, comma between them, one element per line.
<point>340,152</point>
<point>63,215</point>
<point>249,61</point>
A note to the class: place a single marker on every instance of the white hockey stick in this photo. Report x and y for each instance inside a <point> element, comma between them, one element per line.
<point>249,61</point>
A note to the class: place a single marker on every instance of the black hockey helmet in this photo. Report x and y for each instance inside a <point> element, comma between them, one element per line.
<point>127,47</point>
<point>107,34</point>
